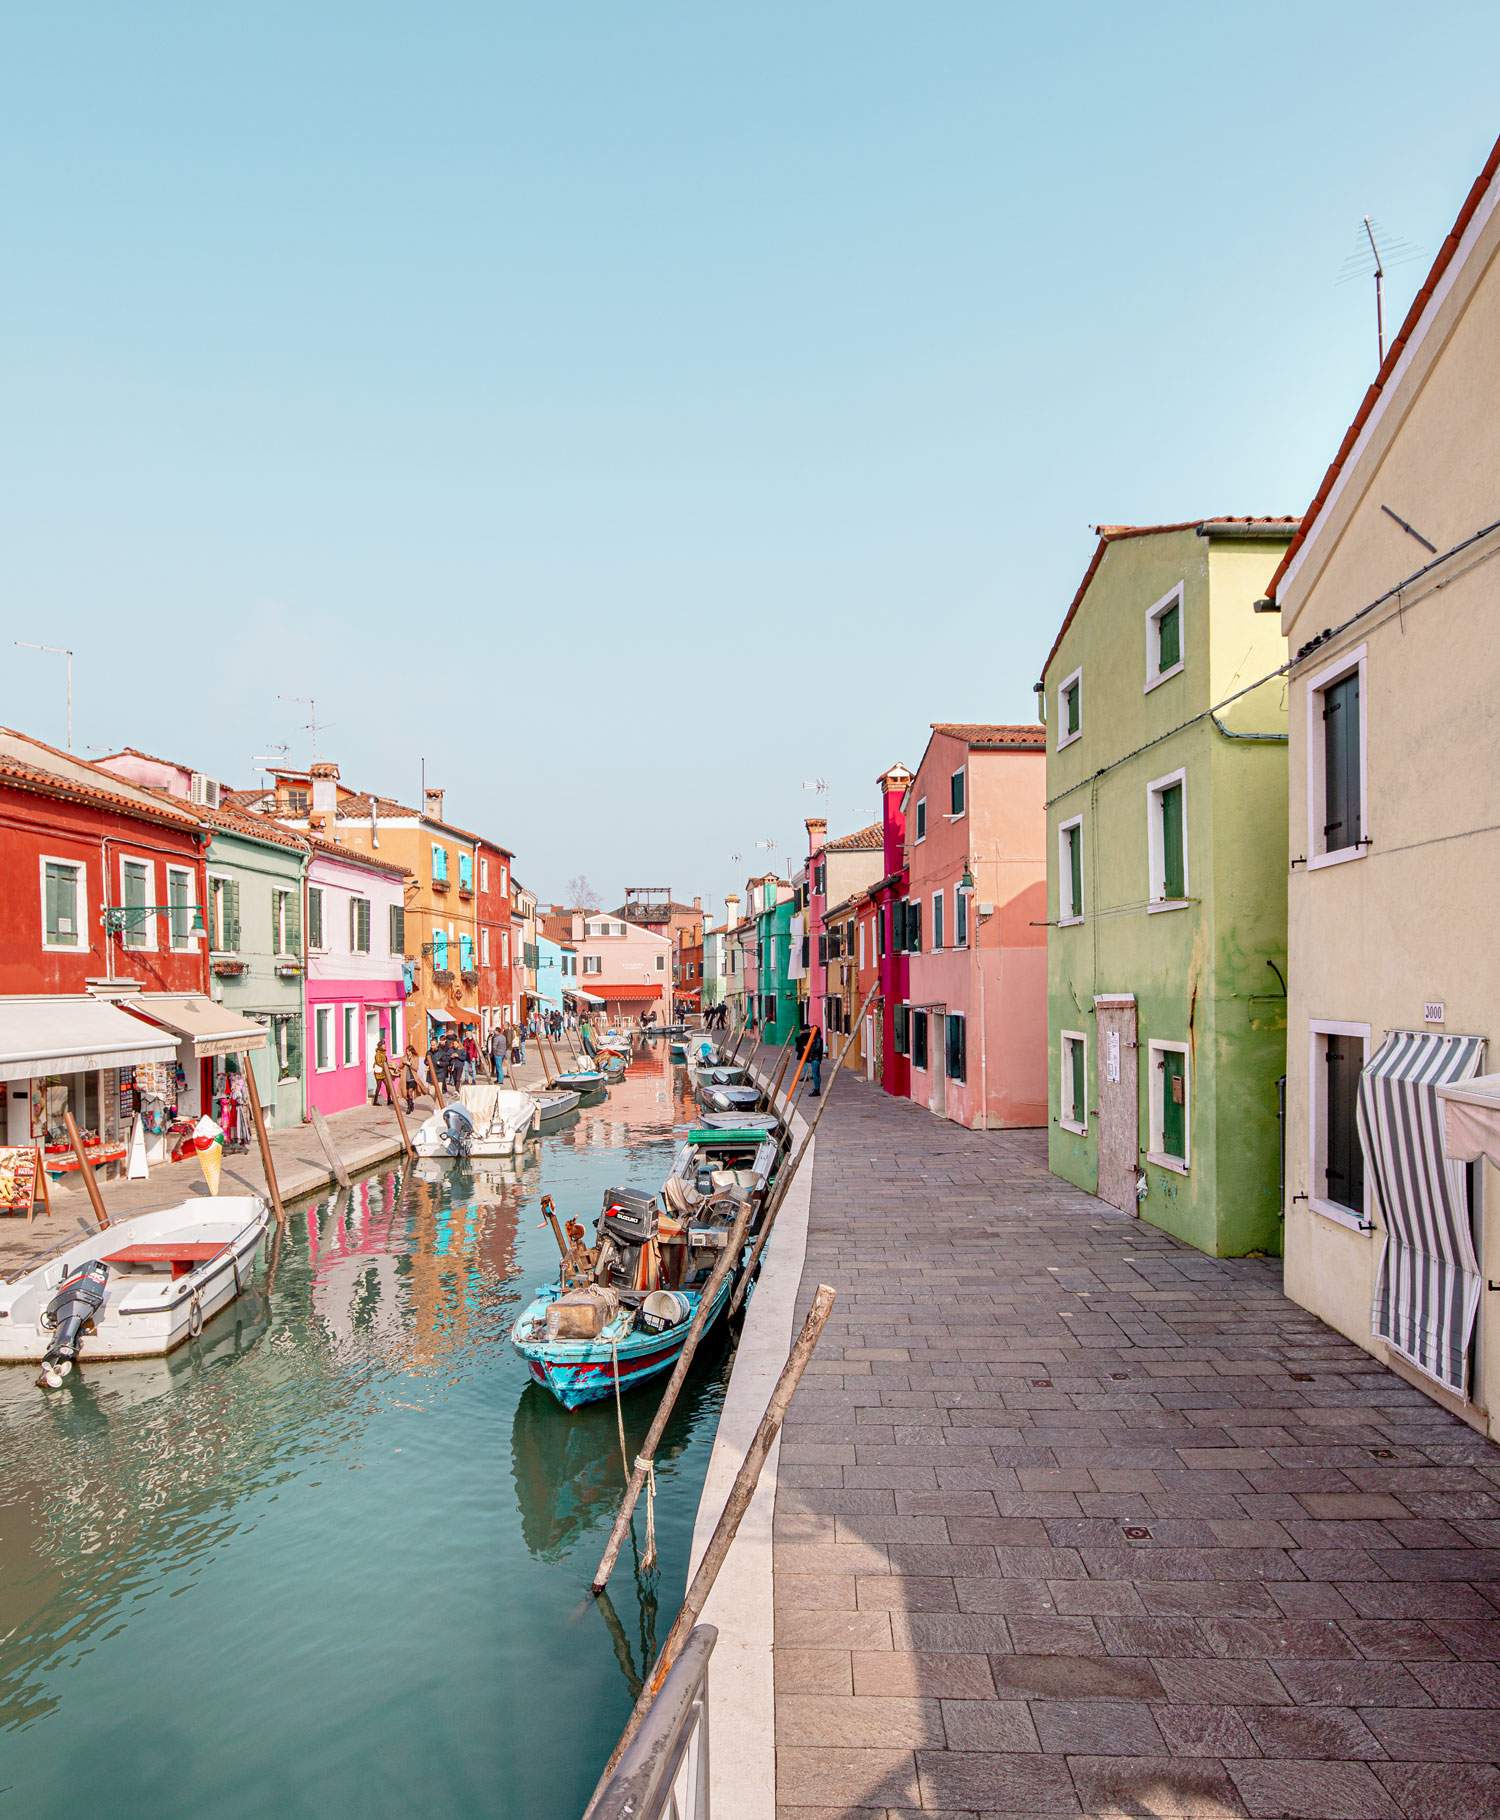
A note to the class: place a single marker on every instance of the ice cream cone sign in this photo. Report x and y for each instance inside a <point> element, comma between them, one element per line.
<point>208,1141</point>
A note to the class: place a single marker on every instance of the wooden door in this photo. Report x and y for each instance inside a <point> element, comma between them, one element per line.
<point>1118,1100</point>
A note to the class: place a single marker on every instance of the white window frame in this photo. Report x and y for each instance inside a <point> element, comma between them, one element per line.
<point>148,928</point>
<point>1172,597</point>
<point>192,937</point>
<point>223,878</point>
<point>957,815</point>
<point>396,1041</point>
<point>939,922</point>
<point>1155,1153</point>
<point>346,1059</point>
<point>1074,913</point>
<point>358,897</point>
<point>322,891</point>
<point>505,947</point>
<point>79,945</point>
<point>962,911</point>
<point>484,947</point>
<point>1331,673</point>
<point>320,1012</point>
<point>919,821</point>
<point>1064,737</point>
<point>593,964</point>
<point>1077,1123</point>
<point>1157,900</point>
<point>484,872</point>
<point>1317,1120</point>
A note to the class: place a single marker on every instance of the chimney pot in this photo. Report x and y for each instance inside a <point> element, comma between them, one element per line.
<point>433,804</point>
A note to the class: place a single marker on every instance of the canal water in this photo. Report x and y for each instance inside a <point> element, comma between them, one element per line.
<point>334,1558</point>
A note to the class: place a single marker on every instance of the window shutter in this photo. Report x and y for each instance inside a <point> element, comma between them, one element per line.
<point>314,917</point>
<point>937,922</point>
<point>466,953</point>
<point>440,950</point>
<point>914,926</point>
<point>1341,792</point>
<point>1173,1105</point>
<point>294,922</point>
<point>1171,842</point>
<point>1345,1159</point>
<point>1075,871</point>
<point>52,902</point>
<point>956,792</point>
<point>1075,1071</point>
<point>465,872</point>
<point>439,861</point>
<point>232,915</point>
<point>1169,638</point>
<point>398,929</point>
<point>1071,701</point>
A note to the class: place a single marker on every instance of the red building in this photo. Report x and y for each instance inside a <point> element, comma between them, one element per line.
<point>102,906</point>
<point>492,910</point>
<point>891,928</point>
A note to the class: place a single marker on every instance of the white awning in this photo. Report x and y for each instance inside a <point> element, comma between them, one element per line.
<point>210,1028</point>
<point>589,998</point>
<point>1471,1118</point>
<point>67,1033</point>
<point>440,1017</point>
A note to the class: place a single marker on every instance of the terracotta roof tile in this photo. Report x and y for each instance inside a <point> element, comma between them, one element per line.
<point>863,840</point>
<point>1024,737</point>
<point>31,764</point>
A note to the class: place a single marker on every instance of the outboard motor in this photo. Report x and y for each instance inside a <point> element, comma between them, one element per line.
<point>460,1130</point>
<point>75,1305</point>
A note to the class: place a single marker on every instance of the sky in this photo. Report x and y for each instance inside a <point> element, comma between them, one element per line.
<point>641,414</point>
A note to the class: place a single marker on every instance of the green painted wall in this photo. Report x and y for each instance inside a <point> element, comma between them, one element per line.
<point>775,975</point>
<point>261,991</point>
<point>1200,974</point>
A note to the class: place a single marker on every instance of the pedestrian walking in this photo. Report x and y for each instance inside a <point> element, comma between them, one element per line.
<point>382,1070</point>
<point>413,1074</point>
<point>471,1059</point>
<point>815,1061</point>
<point>497,1055</point>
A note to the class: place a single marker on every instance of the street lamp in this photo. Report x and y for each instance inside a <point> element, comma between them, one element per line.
<point>25,644</point>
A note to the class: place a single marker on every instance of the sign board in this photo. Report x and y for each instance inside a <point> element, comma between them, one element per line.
<point>1112,1055</point>
<point>1434,1012</point>
<point>21,1174</point>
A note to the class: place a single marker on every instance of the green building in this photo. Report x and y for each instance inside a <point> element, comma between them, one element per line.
<point>257,955</point>
<point>1167,855</point>
<point>776,906</point>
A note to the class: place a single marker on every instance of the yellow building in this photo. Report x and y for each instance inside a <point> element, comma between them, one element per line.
<point>1387,600</point>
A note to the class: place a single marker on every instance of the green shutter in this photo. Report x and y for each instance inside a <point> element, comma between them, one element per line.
<point>1173,877</point>
<point>956,1061</point>
<point>232,915</point>
<point>53,910</point>
<point>1075,1075</point>
<point>294,923</point>
<point>1075,871</point>
<point>961,919</point>
<point>902,1030</point>
<point>1173,1104</point>
<point>398,929</point>
<point>937,922</point>
<point>914,926</point>
<point>956,792</point>
<point>314,917</point>
<point>1341,791</point>
<point>1071,706</point>
<point>1169,639</point>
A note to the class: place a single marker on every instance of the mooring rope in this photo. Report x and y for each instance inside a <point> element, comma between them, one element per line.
<point>648,1560</point>
<point>614,1349</point>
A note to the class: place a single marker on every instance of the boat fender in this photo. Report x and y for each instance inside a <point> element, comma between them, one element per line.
<point>195,1316</point>
<point>662,1309</point>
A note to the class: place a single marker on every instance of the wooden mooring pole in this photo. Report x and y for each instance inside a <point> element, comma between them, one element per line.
<point>86,1170</point>
<point>725,1530</point>
<point>262,1137</point>
<point>644,1460</point>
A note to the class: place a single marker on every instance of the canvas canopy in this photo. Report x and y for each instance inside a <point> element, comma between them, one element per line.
<point>1471,1118</point>
<point>66,1034</point>
<point>207,1025</point>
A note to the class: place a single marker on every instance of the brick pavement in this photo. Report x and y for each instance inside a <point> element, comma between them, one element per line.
<point>1073,1520</point>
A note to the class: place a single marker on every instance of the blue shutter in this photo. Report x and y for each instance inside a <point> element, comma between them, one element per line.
<point>439,861</point>
<point>440,950</point>
<point>466,953</point>
<point>466,872</point>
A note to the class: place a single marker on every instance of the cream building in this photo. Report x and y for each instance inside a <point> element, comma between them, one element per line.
<point>1388,599</point>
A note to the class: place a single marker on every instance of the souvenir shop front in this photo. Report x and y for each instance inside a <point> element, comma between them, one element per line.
<point>67,1052</point>
<point>205,1073</point>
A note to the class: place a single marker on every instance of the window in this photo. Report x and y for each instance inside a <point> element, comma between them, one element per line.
<point>960,917</point>
<point>955,1047</point>
<point>484,873</point>
<point>1336,1174</point>
<point>1169,1105</point>
<point>919,1039</point>
<point>1164,648</point>
<point>181,907</point>
<point>439,864</point>
<point>592,964</point>
<point>297,802</point>
<point>1070,871</point>
<point>396,930</point>
<point>224,914</point>
<point>351,1035</point>
<point>880,913</point>
<point>937,921</point>
<point>393,1027</point>
<point>1070,709</point>
<point>1166,841</point>
<point>661,963</point>
<point>314,916</point>
<point>359,925</point>
<point>323,1038</point>
<point>135,896</point>
<point>466,872</point>
<point>1072,1098</point>
<point>285,933</point>
<point>921,818</point>
<point>958,791</point>
<point>484,947</point>
<point>64,891</point>
<point>903,1030</point>
<point>286,1045</point>
<point>820,878</point>
<point>440,950</point>
<point>1336,762</point>
<point>505,947</point>
<point>861,944</point>
<point>465,952</point>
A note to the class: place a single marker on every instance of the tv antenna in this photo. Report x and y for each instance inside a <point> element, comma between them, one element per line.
<point>819,784</point>
<point>272,760</point>
<point>1375,253</point>
<point>312,725</point>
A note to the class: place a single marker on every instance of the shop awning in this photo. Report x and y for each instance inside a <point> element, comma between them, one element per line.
<point>469,1011</point>
<point>440,1017</point>
<point>628,994</point>
<point>1471,1118</point>
<point>589,998</point>
<point>1427,1290</point>
<point>210,1028</point>
<point>68,1033</point>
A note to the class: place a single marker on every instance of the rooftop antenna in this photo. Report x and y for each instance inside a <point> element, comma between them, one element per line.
<point>271,761</point>
<point>25,644</point>
<point>1374,244</point>
<point>819,784</point>
<point>312,725</point>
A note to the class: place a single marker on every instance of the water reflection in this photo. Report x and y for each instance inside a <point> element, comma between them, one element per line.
<point>306,1527</point>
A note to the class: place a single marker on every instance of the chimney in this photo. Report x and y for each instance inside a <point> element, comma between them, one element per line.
<point>325,788</point>
<point>432,805</point>
<point>731,909</point>
<point>817,832</point>
<point>697,903</point>
<point>894,783</point>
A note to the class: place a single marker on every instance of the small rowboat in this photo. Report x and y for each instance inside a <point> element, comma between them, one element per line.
<point>553,1108</point>
<point>580,1080</point>
<point>162,1276</point>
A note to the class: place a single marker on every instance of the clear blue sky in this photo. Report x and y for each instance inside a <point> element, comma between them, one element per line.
<point>638,410</point>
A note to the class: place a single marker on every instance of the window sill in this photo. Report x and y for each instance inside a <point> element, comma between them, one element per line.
<point>1340,1216</point>
<point>1069,1125</point>
<point>1163,1161</point>
<point>1159,905</point>
<point>63,948</point>
<point>1069,922</point>
<point>1153,682</point>
<point>1068,739</point>
<point>1341,857</point>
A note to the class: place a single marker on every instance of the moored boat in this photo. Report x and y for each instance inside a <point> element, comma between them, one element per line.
<point>717,1159</point>
<point>482,1121</point>
<point>580,1080</point>
<point>553,1107</point>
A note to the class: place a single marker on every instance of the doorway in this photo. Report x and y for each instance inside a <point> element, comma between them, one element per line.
<point>372,1037</point>
<point>937,1081</point>
<point>1119,1102</point>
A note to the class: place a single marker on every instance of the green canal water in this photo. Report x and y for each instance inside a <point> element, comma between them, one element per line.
<point>333,1560</point>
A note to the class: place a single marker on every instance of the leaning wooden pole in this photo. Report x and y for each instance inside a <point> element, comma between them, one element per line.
<point>400,1112</point>
<point>784,1180</point>
<point>262,1137</point>
<point>791,1091</point>
<point>726,1261</point>
<point>725,1530</point>
<point>786,1051</point>
<point>86,1170</point>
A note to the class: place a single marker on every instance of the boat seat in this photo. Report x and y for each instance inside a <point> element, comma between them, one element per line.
<point>182,1257</point>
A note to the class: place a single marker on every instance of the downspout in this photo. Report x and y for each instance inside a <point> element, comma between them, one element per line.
<point>306,982</point>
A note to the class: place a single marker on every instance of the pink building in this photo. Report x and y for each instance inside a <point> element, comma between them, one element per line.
<point>628,966</point>
<point>836,870</point>
<point>356,941</point>
<point>976,825</point>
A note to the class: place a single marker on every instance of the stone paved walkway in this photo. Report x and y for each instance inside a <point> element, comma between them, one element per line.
<point>1072,1520</point>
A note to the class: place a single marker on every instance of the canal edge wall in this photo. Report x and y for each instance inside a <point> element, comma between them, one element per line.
<point>742,1756</point>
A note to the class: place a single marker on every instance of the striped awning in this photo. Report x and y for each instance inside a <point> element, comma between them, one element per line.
<point>1427,1290</point>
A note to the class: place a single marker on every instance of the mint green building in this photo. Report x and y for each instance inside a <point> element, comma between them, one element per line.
<point>1166,886</point>
<point>775,984</point>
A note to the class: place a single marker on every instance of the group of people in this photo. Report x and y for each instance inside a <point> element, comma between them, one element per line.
<point>716,1017</point>
<point>457,1059</point>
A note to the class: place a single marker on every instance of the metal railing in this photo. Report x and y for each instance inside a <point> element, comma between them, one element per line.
<point>663,1773</point>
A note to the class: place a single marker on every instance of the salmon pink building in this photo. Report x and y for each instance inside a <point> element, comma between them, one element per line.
<point>627,966</point>
<point>356,944</point>
<point>976,926</point>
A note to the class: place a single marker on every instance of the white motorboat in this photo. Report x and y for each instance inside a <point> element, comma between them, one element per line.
<point>553,1108</point>
<point>136,1289</point>
<point>482,1121</point>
